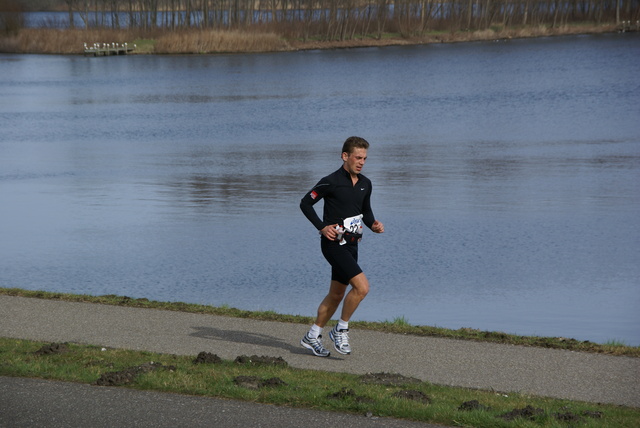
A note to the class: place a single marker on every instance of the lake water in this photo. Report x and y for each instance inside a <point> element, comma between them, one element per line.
<point>507,175</point>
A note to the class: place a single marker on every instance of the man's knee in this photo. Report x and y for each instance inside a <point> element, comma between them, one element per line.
<point>336,296</point>
<point>360,285</point>
<point>337,291</point>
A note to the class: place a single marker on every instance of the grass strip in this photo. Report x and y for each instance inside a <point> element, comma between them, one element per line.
<point>397,326</point>
<point>258,379</point>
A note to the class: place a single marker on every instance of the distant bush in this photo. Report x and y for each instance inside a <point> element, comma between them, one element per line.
<point>215,41</point>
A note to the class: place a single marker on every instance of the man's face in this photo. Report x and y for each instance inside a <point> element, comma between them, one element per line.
<point>354,161</point>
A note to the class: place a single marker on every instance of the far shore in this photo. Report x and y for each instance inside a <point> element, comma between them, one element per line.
<point>75,41</point>
<point>459,37</point>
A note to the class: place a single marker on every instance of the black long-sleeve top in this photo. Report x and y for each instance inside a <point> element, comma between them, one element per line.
<point>342,199</point>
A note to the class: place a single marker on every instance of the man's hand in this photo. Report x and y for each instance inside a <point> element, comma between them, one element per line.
<point>377,227</point>
<point>330,232</point>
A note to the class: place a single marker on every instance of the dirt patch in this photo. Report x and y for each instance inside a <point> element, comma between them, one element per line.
<point>207,358</point>
<point>527,412</point>
<point>572,417</point>
<point>531,413</point>
<point>344,393</point>
<point>568,417</point>
<point>126,376</point>
<point>273,382</point>
<point>592,414</point>
<point>389,379</point>
<point>413,395</point>
<point>254,382</point>
<point>473,405</point>
<point>261,361</point>
<point>53,348</point>
<point>249,382</point>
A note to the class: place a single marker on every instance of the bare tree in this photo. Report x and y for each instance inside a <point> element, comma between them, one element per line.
<point>11,17</point>
<point>343,19</point>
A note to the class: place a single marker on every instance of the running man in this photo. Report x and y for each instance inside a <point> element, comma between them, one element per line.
<point>347,205</point>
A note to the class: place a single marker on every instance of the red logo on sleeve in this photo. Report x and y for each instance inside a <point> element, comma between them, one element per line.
<point>313,194</point>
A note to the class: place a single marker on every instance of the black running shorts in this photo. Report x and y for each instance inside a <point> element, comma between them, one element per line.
<point>342,258</point>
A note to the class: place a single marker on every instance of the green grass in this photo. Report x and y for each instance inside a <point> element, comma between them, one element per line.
<point>400,322</point>
<point>398,325</point>
<point>144,46</point>
<point>337,392</point>
<point>615,342</point>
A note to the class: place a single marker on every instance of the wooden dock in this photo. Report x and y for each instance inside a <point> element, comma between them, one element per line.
<point>628,26</point>
<point>107,49</point>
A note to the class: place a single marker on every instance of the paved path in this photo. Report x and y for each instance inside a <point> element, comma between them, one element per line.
<point>506,368</point>
<point>40,403</point>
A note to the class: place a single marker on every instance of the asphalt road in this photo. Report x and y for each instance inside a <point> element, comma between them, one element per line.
<point>41,403</point>
<point>505,368</point>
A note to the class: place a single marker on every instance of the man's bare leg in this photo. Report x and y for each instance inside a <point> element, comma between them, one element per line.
<point>359,290</point>
<point>340,333</point>
<point>330,303</point>
<point>326,310</point>
<point>328,307</point>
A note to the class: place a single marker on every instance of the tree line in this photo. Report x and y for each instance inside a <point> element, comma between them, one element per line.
<point>342,19</point>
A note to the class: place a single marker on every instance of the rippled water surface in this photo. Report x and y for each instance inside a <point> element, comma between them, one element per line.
<point>507,175</point>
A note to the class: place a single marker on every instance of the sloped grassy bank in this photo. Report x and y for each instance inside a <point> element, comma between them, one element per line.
<point>398,325</point>
<point>272,381</point>
<point>196,41</point>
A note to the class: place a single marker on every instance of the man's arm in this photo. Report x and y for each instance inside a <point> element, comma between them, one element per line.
<point>310,199</point>
<point>367,215</point>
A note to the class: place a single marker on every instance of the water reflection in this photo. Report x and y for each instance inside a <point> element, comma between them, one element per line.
<point>232,193</point>
<point>499,169</point>
<point>203,99</point>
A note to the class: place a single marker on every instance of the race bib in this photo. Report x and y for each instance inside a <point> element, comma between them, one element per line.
<point>353,224</point>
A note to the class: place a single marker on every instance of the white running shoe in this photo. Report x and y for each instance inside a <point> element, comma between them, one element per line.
<point>315,345</point>
<point>340,340</point>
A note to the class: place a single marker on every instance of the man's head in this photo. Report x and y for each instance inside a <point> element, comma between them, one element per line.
<point>353,143</point>
<point>354,154</point>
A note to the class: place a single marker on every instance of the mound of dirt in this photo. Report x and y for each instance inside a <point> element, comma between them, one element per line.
<point>53,348</point>
<point>254,382</point>
<point>343,394</point>
<point>207,358</point>
<point>568,417</point>
<point>249,382</point>
<point>473,405</point>
<point>527,412</point>
<point>124,377</point>
<point>572,417</point>
<point>592,414</point>
<point>273,381</point>
<point>530,413</point>
<point>261,361</point>
<point>389,379</point>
